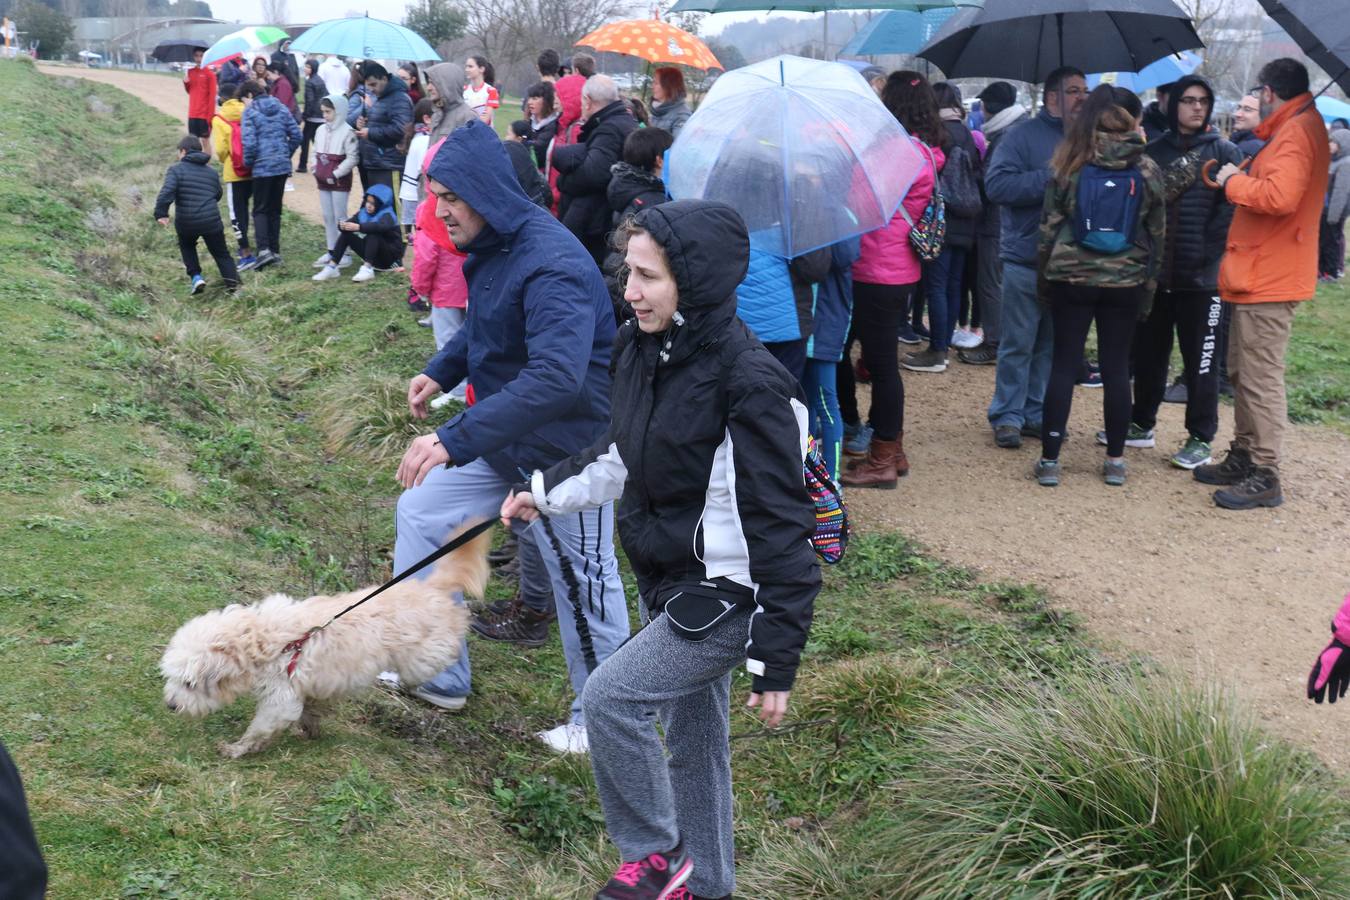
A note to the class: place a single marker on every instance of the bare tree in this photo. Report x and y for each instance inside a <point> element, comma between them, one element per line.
<point>511,32</point>
<point>276,12</point>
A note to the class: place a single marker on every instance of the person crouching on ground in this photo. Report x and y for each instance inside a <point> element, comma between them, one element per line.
<point>704,453</point>
<point>1101,243</point>
<point>335,156</point>
<point>374,234</point>
<point>192,187</point>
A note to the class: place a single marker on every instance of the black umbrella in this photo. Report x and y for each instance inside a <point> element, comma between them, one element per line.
<point>177,51</point>
<point>1321,28</point>
<point>1025,40</point>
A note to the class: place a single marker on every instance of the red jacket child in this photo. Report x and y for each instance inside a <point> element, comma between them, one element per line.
<point>200,84</point>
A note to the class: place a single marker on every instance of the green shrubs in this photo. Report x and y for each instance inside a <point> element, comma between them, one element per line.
<point>1115,787</point>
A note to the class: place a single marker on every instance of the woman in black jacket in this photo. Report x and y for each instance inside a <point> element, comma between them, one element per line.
<point>704,450</point>
<point>311,113</point>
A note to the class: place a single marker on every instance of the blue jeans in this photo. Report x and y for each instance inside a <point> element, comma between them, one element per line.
<point>448,497</point>
<point>1024,352</point>
<point>823,402</point>
<point>943,277</point>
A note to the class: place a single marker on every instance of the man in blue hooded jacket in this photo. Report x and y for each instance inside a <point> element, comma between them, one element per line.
<point>535,350</point>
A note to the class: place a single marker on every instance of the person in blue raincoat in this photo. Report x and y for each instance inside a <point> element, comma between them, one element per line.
<point>833,314</point>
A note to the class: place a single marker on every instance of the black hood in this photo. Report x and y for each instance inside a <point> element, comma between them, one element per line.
<point>1174,104</point>
<point>627,183</point>
<point>196,156</point>
<point>708,249</point>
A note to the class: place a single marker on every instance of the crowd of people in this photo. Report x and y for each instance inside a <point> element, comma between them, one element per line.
<point>616,348</point>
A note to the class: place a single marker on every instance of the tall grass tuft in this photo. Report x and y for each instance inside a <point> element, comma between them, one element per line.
<point>201,356</point>
<point>1122,786</point>
<point>366,415</point>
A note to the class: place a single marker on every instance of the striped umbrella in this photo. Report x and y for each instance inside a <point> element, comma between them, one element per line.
<point>243,41</point>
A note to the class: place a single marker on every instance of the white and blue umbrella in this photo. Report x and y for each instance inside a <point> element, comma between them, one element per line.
<point>362,37</point>
<point>897,31</point>
<point>801,148</point>
<point>1164,71</point>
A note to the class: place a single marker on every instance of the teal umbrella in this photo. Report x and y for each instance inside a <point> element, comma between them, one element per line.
<point>362,37</point>
<point>897,31</point>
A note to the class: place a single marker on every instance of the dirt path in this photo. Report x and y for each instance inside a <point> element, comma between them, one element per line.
<point>166,94</point>
<point>1155,567</point>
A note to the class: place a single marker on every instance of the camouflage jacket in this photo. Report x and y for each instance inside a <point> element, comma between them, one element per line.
<point>1062,259</point>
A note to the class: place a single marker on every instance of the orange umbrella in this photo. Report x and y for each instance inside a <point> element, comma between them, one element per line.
<point>654,41</point>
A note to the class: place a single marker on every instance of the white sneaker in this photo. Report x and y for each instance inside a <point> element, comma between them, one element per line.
<point>345,261</point>
<point>965,339</point>
<point>322,261</point>
<point>439,700</point>
<point>444,400</point>
<point>389,680</point>
<point>289,186</point>
<point>366,274</point>
<point>327,273</point>
<point>566,738</point>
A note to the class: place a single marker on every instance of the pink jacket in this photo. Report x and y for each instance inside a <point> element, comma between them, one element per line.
<point>438,273</point>
<point>887,257</point>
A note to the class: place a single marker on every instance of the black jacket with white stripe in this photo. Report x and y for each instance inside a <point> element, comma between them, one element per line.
<point>705,448</point>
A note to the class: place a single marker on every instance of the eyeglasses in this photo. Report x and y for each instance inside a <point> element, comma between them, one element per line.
<point>1195,101</point>
<point>1256,91</point>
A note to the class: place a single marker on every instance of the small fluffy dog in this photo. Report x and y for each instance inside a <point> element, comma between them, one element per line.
<point>414,628</point>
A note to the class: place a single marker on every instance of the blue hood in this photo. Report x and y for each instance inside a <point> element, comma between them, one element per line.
<point>473,163</point>
<point>384,205</point>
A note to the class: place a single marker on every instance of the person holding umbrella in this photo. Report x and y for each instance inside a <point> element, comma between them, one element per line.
<point>200,84</point>
<point>670,106</point>
<point>1270,267</point>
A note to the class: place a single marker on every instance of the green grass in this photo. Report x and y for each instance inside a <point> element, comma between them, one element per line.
<point>162,455</point>
<point>1319,359</point>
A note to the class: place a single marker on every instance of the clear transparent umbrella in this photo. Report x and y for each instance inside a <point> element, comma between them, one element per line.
<point>801,148</point>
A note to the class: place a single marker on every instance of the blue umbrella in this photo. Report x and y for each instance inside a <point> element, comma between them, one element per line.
<point>801,148</point>
<point>1331,109</point>
<point>1164,71</point>
<point>897,31</point>
<point>362,37</point>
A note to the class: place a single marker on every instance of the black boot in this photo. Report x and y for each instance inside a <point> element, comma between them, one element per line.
<point>499,556</point>
<point>1236,466</point>
<point>1260,488</point>
<point>517,624</point>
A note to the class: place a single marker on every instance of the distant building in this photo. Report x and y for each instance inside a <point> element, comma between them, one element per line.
<point>128,40</point>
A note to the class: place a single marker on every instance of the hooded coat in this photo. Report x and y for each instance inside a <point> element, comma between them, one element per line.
<point>386,120</point>
<point>381,225</point>
<point>193,188</point>
<point>995,127</point>
<point>222,131</point>
<point>1197,216</point>
<point>834,303</point>
<point>451,110</point>
<point>584,167</point>
<point>270,137</point>
<point>631,190</point>
<point>337,139</point>
<point>704,448</point>
<point>536,344</point>
<point>671,115</point>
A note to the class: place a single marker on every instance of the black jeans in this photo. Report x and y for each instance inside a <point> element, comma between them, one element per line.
<point>306,138</point>
<point>1073,308</point>
<point>1194,315</point>
<point>378,253</point>
<point>216,246</point>
<point>878,310</point>
<point>238,197</point>
<point>267,195</point>
<point>1331,247</point>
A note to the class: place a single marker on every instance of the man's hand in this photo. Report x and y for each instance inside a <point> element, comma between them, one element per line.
<point>519,505</point>
<point>163,220</point>
<point>420,390</point>
<point>1227,172</point>
<point>772,706</point>
<point>425,454</point>
<point>363,133</point>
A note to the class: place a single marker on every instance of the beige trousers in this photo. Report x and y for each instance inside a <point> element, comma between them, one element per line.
<point>1257,341</point>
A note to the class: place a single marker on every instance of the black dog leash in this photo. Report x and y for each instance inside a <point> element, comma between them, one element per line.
<point>295,646</point>
<point>569,575</point>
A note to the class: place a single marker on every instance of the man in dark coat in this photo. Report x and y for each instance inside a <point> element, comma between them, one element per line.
<point>1156,119</point>
<point>1187,301</point>
<point>192,187</point>
<point>380,125</point>
<point>584,167</point>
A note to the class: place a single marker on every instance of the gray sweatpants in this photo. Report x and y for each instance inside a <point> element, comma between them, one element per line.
<point>333,204</point>
<point>653,802</point>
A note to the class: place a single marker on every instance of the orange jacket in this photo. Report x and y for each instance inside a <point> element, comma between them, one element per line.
<point>1272,244</point>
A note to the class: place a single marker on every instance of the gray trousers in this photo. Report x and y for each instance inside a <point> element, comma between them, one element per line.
<point>447,498</point>
<point>333,204</point>
<point>989,287</point>
<point>653,801</point>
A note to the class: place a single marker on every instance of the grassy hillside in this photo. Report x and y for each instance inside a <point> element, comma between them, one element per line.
<point>161,455</point>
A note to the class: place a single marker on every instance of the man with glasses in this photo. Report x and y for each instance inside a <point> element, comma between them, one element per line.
<point>1269,267</point>
<point>1246,119</point>
<point>1015,179</point>
<point>1187,301</point>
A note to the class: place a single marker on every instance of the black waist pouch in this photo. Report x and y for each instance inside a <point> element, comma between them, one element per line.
<point>694,609</point>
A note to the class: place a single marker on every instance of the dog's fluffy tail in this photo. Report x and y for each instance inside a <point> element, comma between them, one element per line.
<point>465,569</point>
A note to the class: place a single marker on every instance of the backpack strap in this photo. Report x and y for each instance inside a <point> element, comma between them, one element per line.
<point>932,163</point>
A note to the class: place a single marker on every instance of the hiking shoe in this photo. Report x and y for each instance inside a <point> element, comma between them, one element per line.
<point>505,553</point>
<point>1261,487</point>
<point>965,339</point>
<point>925,361</point>
<point>327,273</point>
<point>1047,472</point>
<point>984,355</point>
<point>322,261</point>
<point>198,284</point>
<point>1009,437</point>
<point>517,625</point>
<point>509,573</point>
<point>1030,430</point>
<point>1236,466</point>
<point>1193,453</point>
<point>366,273</point>
<point>909,336</point>
<point>1091,376</point>
<point>656,877</point>
<point>1176,392</point>
<point>248,262</point>
<point>428,694</point>
<point>567,738</point>
<point>1113,472</point>
<point>266,258</point>
<point>862,439</point>
<point>1134,437</point>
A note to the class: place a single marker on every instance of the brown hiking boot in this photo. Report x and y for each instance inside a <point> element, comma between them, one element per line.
<point>876,470</point>
<point>901,461</point>
<point>1260,488</point>
<point>1236,466</point>
<point>517,624</point>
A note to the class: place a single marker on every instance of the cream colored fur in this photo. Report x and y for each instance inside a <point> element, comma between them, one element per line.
<point>414,629</point>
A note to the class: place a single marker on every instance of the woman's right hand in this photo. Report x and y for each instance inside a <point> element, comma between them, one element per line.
<point>519,505</point>
<point>420,390</point>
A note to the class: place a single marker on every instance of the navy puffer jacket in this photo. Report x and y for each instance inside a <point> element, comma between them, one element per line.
<point>192,187</point>
<point>270,136</point>
<point>386,120</point>
<point>536,345</point>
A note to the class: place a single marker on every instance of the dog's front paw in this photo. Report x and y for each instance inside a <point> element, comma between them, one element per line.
<point>308,729</point>
<point>235,750</point>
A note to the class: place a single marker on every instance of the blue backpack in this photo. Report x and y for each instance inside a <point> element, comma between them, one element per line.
<point>1107,210</point>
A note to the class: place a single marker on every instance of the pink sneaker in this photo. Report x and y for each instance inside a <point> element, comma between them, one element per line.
<point>657,877</point>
